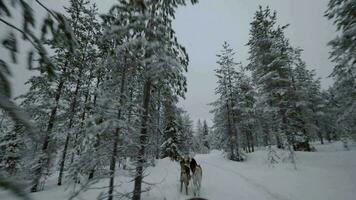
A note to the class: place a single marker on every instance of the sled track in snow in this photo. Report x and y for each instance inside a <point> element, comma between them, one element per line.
<point>273,195</point>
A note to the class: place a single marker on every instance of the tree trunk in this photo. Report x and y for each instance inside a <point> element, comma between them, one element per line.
<point>252,143</point>
<point>113,164</point>
<point>92,171</point>
<point>328,136</point>
<point>71,118</point>
<point>279,142</point>
<point>141,152</point>
<point>116,140</point>
<point>249,142</point>
<point>87,98</point>
<point>320,135</point>
<point>50,125</point>
<point>158,129</point>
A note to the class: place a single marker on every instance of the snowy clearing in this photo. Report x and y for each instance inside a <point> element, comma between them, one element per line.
<point>327,174</point>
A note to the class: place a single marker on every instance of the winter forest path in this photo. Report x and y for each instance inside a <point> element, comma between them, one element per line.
<point>318,177</point>
<point>241,179</point>
<point>223,175</point>
<point>221,180</point>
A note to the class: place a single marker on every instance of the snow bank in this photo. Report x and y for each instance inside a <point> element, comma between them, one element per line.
<point>329,173</point>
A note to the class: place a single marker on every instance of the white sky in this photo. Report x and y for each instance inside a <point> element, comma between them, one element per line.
<point>202,28</point>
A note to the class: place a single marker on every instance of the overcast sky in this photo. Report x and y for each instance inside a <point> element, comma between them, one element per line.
<point>203,28</point>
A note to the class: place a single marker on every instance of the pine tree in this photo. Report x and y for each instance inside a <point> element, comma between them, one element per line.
<point>85,28</point>
<point>342,13</point>
<point>330,109</point>
<point>224,114</point>
<point>269,63</point>
<point>12,146</point>
<point>302,114</point>
<point>171,133</point>
<point>244,109</point>
<point>186,146</point>
<point>164,58</point>
<point>42,101</point>
<point>54,25</point>
<point>120,69</point>
<point>205,137</point>
<point>53,94</point>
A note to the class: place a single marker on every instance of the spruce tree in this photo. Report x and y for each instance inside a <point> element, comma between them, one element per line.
<point>205,137</point>
<point>224,114</point>
<point>85,28</point>
<point>269,63</point>
<point>342,13</point>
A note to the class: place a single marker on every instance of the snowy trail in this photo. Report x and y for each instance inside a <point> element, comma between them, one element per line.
<point>269,194</point>
<point>327,174</point>
<point>220,181</point>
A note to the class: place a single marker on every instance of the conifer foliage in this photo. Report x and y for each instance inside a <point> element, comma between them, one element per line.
<point>342,13</point>
<point>109,90</point>
<point>281,104</point>
<point>105,95</point>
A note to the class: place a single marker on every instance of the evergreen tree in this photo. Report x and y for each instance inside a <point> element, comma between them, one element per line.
<point>342,13</point>
<point>205,137</point>
<point>302,114</point>
<point>244,109</point>
<point>54,25</point>
<point>224,115</point>
<point>12,147</point>
<point>269,63</point>
<point>186,145</point>
<point>172,132</point>
<point>85,28</point>
<point>43,101</point>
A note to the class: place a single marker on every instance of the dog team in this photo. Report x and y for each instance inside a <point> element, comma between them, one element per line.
<point>190,170</point>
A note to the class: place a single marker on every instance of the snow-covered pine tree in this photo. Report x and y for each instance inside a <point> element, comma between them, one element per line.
<point>164,60</point>
<point>305,100</point>
<point>244,109</point>
<point>224,114</point>
<point>114,113</point>
<point>328,120</point>
<point>156,139</point>
<point>197,142</point>
<point>82,18</point>
<point>205,138</point>
<point>317,106</point>
<point>342,13</point>
<point>53,27</point>
<point>199,128</point>
<point>186,146</point>
<point>172,132</point>
<point>12,147</point>
<point>43,102</point>
<point>269,63</point>
<point>56,98</point>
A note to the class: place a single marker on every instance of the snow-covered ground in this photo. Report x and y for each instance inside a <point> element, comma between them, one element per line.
<point>328,174</point>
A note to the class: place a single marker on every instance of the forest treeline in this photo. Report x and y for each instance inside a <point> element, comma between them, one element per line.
<point>276,99</point>
<point>106,90</point>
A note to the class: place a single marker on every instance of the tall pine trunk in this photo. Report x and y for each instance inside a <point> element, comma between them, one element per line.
<point>319,133</point>
<point>45,144</point>
<point>97,144</point>
<point>71,121</point>
<point>142,144</point>
<point>116,140</point>
<point>83,117</point>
